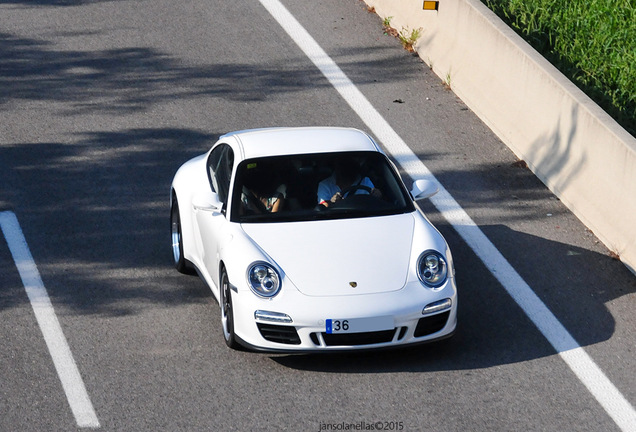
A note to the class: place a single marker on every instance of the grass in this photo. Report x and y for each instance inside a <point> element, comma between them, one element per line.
<point>409,39</point>
<point>406,37</point>
<point>592,42</point>
<point>447,80</point>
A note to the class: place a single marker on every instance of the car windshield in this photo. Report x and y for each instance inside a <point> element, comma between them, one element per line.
<point>317,186</point>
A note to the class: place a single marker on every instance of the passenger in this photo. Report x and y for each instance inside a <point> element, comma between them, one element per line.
<point>272,204</point>
<point>256,200</point>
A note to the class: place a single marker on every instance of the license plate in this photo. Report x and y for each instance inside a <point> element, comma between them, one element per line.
<point>359,325</point>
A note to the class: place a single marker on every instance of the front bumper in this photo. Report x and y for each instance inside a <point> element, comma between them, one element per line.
<point>307,331</point>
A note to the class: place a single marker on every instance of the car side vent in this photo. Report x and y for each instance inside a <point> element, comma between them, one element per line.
<point>279,334</point>
<point>431,324</point>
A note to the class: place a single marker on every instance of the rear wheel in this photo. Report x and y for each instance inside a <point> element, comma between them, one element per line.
<point>227,311</point>
<point>180,262</point>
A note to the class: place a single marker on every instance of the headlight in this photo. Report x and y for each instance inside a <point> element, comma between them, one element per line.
<point>432,269</point>
<point>263,279</point>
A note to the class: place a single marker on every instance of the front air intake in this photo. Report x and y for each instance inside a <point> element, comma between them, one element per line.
<point>279,334</point>
<point>431,324</point>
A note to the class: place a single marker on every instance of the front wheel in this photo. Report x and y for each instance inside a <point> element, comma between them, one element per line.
<point>227,312</point>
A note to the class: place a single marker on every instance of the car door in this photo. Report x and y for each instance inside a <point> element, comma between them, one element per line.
<point>211,223</point>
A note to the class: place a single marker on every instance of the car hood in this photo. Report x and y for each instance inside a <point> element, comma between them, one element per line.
<point>340,257</point>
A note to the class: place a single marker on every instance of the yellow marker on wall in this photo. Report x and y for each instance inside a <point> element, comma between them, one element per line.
<point>431,5</point>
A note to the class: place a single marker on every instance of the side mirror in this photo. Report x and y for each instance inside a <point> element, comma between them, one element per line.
<point>207,201</point>
<point>423,189</point>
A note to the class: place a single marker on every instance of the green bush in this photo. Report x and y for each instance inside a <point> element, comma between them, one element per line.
<point>592,42</point>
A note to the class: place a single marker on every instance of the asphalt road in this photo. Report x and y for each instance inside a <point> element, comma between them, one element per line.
<point>101,102</point>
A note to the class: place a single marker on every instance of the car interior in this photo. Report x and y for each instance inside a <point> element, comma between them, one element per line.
<point>293,182</point>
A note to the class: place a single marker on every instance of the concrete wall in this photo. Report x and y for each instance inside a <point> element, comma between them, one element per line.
<point>572,145</point>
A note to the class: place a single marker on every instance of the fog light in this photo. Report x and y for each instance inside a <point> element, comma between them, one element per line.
<point>437,306</point>
<point>272,316</point>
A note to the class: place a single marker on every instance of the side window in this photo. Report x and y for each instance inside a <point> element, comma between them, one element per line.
<point>220,165</point>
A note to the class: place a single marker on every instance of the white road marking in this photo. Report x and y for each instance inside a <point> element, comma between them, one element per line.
<point>614,403</point>
<point>67,371</point>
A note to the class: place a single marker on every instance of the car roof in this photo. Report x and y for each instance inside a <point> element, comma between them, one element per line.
<point>282,141</point>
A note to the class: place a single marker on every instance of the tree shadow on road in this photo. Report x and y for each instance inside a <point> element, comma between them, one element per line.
<point>40,3</point>
<point>128,80</point>
<point>95,214</point>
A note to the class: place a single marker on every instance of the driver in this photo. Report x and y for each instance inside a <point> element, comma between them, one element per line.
<point>344,177</point>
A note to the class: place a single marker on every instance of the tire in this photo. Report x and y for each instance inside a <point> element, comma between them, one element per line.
<point>227,311</point>
<point>179,261</point>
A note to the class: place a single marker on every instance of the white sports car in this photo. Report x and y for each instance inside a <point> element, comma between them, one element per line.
<point>310,241</point>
